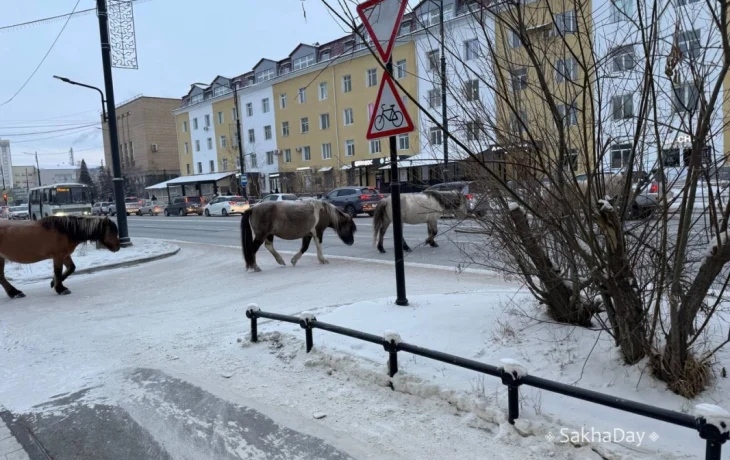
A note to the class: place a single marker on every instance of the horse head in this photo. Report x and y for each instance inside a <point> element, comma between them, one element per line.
<point>345,228</point>
<point>110,235</point>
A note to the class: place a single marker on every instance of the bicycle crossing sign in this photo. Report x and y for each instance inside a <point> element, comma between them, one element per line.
<point>382,20</point>
<point>389,117</point>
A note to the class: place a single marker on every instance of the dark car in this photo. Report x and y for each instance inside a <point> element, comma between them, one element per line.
<point>354,200</point>
<point>476,203</point>
<point>184,205</point>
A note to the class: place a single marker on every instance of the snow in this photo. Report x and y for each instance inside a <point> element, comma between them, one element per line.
<point>513,367</point>
<point>513,206</point>
<point>307,316</point>
<point>714,415</point>
<point>392,337</point>
<point>712,247</point>
<point>252,307</point>
<point>87,258</point>
<point>605,205</point>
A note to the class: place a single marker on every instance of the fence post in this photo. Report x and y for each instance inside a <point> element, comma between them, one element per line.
<point>391,340</point>
<point>251,311</point>
<point>712,424</point>
<point>306,319</point>
<point>512,372</point>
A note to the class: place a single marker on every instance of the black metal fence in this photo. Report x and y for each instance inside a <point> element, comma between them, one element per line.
<point>712,434</point>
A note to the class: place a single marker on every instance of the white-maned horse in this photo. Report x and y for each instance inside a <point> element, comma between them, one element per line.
<point>418,208</point>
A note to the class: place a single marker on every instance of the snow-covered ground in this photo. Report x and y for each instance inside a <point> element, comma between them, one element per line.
<point>87,257</point>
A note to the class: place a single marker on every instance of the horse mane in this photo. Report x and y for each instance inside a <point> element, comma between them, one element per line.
<point>334,214</point>
<point>448,200</point>
<point>77,229</point>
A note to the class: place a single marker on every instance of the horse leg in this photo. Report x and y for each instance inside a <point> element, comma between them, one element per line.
<point>12,292</point>
<point>318,244</point>
<point>58,276</point>
<point>383,229</point>
<point>70,268</point>
<point>405,245</point>
<point>432,231</point>
<point>305,246</point>
<point>256,246</point>
<point>270,246</point>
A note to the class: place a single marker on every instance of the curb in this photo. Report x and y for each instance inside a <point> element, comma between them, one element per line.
<point>476,230</point>
<point>128,263</point>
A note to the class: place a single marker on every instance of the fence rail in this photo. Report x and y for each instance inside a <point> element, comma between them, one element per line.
<point>510,374</point>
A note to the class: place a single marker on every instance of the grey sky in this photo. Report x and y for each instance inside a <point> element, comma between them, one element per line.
<point>178,42</point>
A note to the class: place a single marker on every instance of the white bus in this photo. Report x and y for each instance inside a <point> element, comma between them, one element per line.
<point>59,200</point>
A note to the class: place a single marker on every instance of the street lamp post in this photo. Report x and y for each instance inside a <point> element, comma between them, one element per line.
<point>444,118</point>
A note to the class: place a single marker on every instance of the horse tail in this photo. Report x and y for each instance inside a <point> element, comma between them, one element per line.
<point>249,255</point>
<point>381,212</point>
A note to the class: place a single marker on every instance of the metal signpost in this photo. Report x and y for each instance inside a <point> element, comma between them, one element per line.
<point>382,20</point>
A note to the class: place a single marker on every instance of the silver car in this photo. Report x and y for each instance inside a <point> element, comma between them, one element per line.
<point>151,208</point>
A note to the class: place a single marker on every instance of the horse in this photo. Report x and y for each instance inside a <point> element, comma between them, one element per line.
<point>417,208</point>
<point>52,237</point>
<point>291,221</point>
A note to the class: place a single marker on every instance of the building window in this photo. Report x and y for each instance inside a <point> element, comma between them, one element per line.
<point>234,114</point>
<point>305,61</point>
<point>621,10</point>
<point>306,153</point>
<point>623,58</point>
<point>302,95</point>
<point>685,98</point>
<point>225,164</point>
<point>287,155</point>
<point>220,118</point>
<point>324,121</point>
<point>185,126</point>
<point>565,23</point>
<point>433,60</point>
<point>197,98</point>
<point>284,129</point>
<point>326,151</point>
<point>473,130</point>
<point>270,158</point>
<point>264,75</point>
<point>434,136</point>
<point>570,161</point>
<point>566,70</point>
<point>471,49</point>
<point>471,90</point>
<point>620,155</point>
<point>569,114</point>
<point>284,69</point>
<point>210,143</point>
<point>514,39</point>
<point>200,167</point>
<point>254,161</point>
<point>249,109</point>
<point>518,122</point>
<point>400,69</point>
<point>304,124</point>
<point>195,123</point>
<point>325,54</point>
<point>405,28</point>
<point>265,105</point>
<point>623,106</point>
<point>212,166</point>
<point>404,142</point>
<point>375,146</point>
<point>434,97</point>
<point>346,83</point>
<point>349,117</point>
<point>686,2</point>
<point>323,91</point>
<point>224,142</point>
<point>197,146</point>
<point>251,136</point>
<point>187,169</point>
<point>187,148</point>
<point>372,77</point>
<point>267,132</point>
<point>282,101</point>
<point>519,79</point>
<point>238,162</point>
<point>671,158</point>
<point>350,148</point>
<point>689,44</point>
<point>207,120</point>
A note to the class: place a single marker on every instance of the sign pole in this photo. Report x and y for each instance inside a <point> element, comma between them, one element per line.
<point>400,269</point>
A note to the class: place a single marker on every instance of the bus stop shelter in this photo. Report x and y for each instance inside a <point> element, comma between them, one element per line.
<point>204,185</point>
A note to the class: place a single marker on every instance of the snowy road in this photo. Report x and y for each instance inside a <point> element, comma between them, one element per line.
<point>145,363</point>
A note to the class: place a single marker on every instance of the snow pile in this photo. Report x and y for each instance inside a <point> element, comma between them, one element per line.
<point>712,247</point>
<point>252,307</point>
<point>392,337</point>
<point>87,258</point>
<point>513,367</point>
<point>307,316</point>
<point>714,415</point>
<point>513,206</point>
<point>605,205</point>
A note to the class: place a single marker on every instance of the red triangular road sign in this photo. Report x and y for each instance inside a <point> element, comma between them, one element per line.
<point>389,116</point>
<point>382,20</point>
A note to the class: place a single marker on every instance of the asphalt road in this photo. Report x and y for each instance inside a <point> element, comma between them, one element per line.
<point>453,250</point>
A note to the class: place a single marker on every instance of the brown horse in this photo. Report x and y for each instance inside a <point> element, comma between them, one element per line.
<point>291,220</point>
<point>52,237</point>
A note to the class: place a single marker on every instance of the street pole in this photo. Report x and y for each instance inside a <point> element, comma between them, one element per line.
<point>400,270</point>
<point>112,123</point>
<point>240,141</point>
<point>38,168</point>
<point>444,118</point>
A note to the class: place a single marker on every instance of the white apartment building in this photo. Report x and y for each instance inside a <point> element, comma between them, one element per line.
<point>259,135</point>
<point>6,165</point>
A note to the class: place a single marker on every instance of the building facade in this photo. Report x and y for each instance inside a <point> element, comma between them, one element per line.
<point>6,165</point>
<point>50,176</point>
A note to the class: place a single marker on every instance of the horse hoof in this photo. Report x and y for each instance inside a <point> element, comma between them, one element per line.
<point>294,262</point>
<point>324,261</point>
<point>256,269</point>
<point>17,295</point>
<point>434,245</point>
<point>65,292</point>
<point>382,251</point>
<point>53,284</point>
<point>281,262</point>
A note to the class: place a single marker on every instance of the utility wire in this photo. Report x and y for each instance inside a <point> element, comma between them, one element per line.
<point>44,57</point>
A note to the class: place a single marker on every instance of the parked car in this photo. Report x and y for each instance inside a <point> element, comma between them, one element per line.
<point>131,205</point>
<point>18,212</point>
<point>647,200</point>
<point>475,203</point>
<point>152,208</point>
<point>226,205</point>
<point>278,197</point>
<point>184,205</point>
<point>354,200</point>
<point>101,208</point>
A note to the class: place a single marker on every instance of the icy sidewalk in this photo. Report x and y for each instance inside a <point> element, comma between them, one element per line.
<point>499,323</point>
<point>89,259</point>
